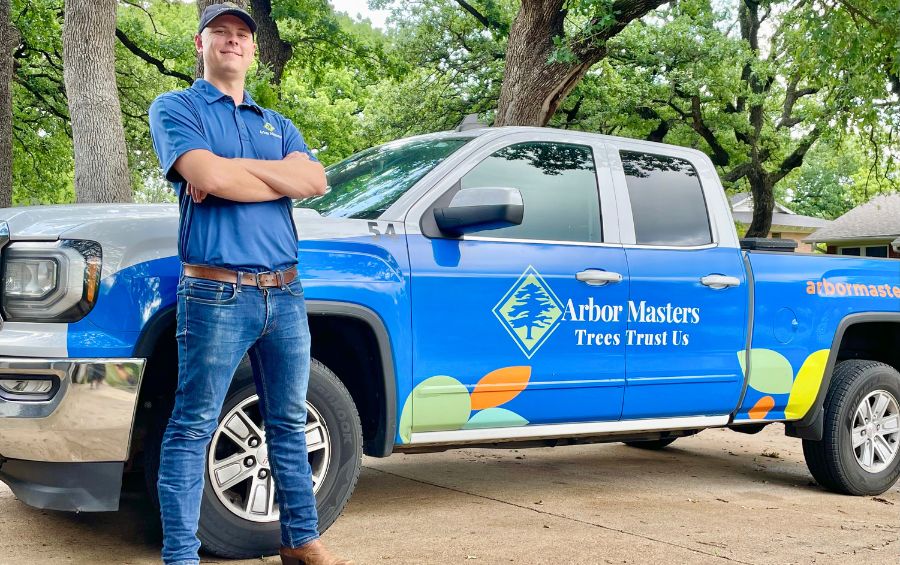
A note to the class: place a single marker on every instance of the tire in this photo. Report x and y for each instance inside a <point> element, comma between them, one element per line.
<point>833,461</point>
<point>221,530</point>
<point>651,444</point>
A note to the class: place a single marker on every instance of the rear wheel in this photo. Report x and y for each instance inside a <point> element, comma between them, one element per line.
<point>239,511</point>
<point>860,450</point>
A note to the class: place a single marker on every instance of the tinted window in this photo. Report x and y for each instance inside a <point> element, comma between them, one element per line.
<point>878,251</point>
<point>666,200</point>
<point>850,251</point>
<point>558,185</point>
<point>366,184</point>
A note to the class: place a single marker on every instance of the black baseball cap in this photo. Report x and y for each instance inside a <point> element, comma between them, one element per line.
<point>215,10</point>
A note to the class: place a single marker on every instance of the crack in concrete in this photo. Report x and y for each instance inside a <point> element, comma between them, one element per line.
<point>870,547</point>
<point>561,516</point>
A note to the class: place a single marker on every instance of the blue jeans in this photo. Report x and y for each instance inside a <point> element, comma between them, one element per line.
<point>217,323</point>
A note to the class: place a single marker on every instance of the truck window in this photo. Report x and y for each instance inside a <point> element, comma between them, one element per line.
<point>365,184</point>
<point>667,200</point>
<point>558,183</point>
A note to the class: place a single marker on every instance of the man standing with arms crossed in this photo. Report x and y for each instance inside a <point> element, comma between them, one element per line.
<point>235,167</point>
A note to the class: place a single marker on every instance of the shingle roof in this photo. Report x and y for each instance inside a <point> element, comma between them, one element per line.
<point>779,219</point>
<point>739,197</point>
<point>879,216</point>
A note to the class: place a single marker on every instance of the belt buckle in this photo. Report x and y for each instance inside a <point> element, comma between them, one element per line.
<point>258,275</point>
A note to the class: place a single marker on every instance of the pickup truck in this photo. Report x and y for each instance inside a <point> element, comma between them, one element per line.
<point>493,287</point>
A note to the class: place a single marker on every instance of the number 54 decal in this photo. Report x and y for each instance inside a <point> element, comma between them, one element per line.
<point>374,230</point>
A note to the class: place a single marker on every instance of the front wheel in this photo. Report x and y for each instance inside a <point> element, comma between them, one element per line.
<point>239,516</point>
<point>859,452</point>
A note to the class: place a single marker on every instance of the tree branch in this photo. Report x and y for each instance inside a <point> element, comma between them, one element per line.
<point>720,155</point>
<point>477,15</point>
<point>662,128</point>
<point>790,98</point>
<point>143,9</point>
<point>48,105</point>
<point>856,11</point>
<point>573,113</point>
<point>592,47</point>
<point>738,172</point>
<point>795,159</point>
<point>158,63</point>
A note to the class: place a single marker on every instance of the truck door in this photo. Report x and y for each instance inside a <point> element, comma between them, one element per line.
<point>518,326</point>
<point>687,309</point>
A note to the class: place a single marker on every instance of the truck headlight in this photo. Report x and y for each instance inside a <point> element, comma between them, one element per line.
<point>50,281</point>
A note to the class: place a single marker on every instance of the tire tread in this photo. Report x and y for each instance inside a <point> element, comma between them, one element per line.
<point>823,457</point>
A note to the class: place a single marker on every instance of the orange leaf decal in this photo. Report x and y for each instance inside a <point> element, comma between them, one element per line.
<point>762,407</point>
<point>500,386</point>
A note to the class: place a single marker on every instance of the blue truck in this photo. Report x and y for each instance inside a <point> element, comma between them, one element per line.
<point>490,287</point>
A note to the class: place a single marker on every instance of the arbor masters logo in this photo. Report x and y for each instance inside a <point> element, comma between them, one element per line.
<point>530,311</point>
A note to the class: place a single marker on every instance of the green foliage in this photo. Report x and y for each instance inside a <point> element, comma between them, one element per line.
<point>686,76</point>
<point>43,162</point>
<point>349,86</point>
<point>836,177</point>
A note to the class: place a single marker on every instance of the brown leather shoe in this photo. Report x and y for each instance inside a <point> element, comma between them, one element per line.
<point>313,553</point>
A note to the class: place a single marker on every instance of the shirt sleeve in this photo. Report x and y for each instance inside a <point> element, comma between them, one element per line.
<point>293,140</point>
<point>175,130</point>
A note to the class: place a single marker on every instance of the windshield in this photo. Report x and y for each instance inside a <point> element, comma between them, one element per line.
<point>366,184</point>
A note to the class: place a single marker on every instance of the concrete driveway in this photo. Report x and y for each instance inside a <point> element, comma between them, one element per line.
<point>718,497</point>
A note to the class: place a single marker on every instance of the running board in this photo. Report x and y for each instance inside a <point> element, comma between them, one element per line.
<point>549,431</point>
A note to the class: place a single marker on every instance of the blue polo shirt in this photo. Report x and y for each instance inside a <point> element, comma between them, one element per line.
<point>255,236</point>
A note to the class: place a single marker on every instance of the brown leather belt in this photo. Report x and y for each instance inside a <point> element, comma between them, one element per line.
<point>262,280</point>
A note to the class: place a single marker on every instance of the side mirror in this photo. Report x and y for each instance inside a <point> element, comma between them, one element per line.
<point>481,208</point>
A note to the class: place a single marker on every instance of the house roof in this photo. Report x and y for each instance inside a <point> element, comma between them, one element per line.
<point>879,217</point>
<point>739,198</point>
<point>742,198</point>
<point>804,223</point>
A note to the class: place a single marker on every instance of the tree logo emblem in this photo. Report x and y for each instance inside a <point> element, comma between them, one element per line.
<point>530,311</point>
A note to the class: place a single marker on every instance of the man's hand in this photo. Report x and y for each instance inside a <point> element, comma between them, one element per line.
<point>196,194</point>
<point>296,155</point>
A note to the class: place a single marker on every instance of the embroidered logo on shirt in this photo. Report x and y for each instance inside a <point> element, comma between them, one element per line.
<point>269,129</point>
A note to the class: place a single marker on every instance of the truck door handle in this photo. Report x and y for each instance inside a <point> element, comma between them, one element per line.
<point>719,282</point>
<point>596,277</point>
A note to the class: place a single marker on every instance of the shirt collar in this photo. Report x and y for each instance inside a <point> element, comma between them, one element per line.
<point>212,94</point>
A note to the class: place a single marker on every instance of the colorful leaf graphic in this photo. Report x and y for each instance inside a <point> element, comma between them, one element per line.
<point>495,418</point>
<point>500,386</point>
<point>761,408</point>
<point>436,404</point>
<point>770,371</point>
<point>806,385</point>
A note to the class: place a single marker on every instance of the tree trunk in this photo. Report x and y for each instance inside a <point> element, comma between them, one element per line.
<point>762,190</point>
<point>532,88</point>
<point>9,40</point>
<point>274,52</point>
<point>202,5</point>
<point>101,162</point>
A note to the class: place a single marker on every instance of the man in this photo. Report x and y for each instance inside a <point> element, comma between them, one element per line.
<point>235,167</point>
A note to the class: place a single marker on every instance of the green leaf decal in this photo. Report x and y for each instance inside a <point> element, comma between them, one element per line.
<point>770,371</point>
<point>437,404</point>
<point>495,418</point>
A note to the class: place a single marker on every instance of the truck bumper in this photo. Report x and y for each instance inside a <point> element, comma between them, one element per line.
<point>74,487</point>
<point>64,448</point>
